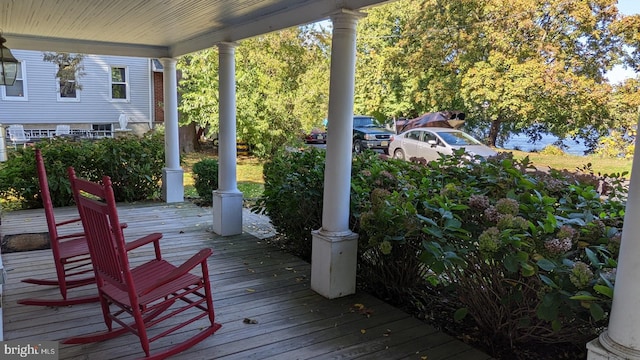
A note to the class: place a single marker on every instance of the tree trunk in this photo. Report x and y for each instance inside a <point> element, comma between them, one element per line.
<point>493,132</point>
<point>188,138</point>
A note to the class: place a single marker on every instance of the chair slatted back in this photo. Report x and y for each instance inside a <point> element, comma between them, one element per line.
<point>47,203</point>
<point>70,251</point>
<point>63,130</point>
<point>97,206</point>
<point>17,133</point>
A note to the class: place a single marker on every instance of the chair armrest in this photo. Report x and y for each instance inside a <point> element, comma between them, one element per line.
<point>143,241</point>
<point>194,261</point>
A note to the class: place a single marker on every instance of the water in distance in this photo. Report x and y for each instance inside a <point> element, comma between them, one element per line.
<point>521,142</point>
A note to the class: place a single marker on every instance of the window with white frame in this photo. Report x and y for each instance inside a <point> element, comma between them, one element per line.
<point>101,130</point>
<point>119,83</point>
<point>17,91</point>
<point>67,89</point>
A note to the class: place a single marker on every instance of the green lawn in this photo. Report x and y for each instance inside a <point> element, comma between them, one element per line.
<point>572,162</point>
<point>248,174</point>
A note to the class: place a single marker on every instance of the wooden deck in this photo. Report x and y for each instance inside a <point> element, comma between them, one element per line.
<point>250,280</point>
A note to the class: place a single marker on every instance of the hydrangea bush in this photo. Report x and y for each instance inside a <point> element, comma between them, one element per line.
<point>526,256</point>
<point>530,255</point>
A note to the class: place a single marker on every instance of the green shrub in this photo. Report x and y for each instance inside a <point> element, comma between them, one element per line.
<point>18,180</point>
<point>292,197</point>
<point>205,174</point>
<point>526,256</point>
<point>134,165</point>
<point>552,150</point>
<point>536,248</point>
<point>388,235</point>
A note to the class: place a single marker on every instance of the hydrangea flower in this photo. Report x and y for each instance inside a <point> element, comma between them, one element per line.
<point>385,247</point>
<point>489,240</point>
<point>558,246</point>
<point>508,206</point>
<point>479,202</point>
<point>580,275</point>
<point>492,214</point>
<point>566,231</point>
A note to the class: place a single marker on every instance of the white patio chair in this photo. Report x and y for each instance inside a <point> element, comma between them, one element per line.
<point>63,130</point>
<point>18,136</point>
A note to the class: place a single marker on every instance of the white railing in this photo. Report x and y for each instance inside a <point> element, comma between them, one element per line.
<point>35,134</point>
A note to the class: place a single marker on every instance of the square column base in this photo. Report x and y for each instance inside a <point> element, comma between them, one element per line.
<point>172,185</point>
<point>227,213</point>
<point>333,264</point>
<point>605,348</point>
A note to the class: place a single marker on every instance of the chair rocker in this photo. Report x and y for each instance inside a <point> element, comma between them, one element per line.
<point>140,297</point>
<point>70,252</point>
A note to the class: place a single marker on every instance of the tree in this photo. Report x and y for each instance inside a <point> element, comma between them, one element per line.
<point>625,111</point>
<point>511,66</point>
<point>628,28</point>
<point>281,87</point>
<point>382,77</point>
<point>70,69</point>
<point>198,88</point>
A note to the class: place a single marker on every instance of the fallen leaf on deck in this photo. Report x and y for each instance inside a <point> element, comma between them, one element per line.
<point>251,290</point>
<point>362,331</point>
<point>250,321</point>
<point>361,309</point>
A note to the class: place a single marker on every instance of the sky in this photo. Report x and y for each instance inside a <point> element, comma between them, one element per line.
<point>619,73</point>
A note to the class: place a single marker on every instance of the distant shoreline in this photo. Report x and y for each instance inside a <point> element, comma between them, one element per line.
<point>521,142</point>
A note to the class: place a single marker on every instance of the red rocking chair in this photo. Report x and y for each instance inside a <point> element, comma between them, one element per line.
<point>140,297</point>
<point>70,253</point>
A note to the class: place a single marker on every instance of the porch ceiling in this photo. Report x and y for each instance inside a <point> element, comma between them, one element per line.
<point>156,28</point>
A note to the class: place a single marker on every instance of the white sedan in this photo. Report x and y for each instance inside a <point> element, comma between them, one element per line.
<point>430,142</point>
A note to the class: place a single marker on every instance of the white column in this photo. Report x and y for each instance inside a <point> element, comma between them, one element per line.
<point>334,248</point>
<point>622,339</point>
<point>172,174</point>
<point>227,200</point>
<point>3,145</point>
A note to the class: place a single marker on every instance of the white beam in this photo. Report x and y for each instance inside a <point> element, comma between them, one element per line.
<point>23,42</point>
<point>304,12</point>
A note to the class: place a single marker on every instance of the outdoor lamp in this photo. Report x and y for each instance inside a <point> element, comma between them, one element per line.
<point>8,65</point>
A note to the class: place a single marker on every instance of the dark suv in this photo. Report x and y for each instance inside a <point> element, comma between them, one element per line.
<point>367,134</point>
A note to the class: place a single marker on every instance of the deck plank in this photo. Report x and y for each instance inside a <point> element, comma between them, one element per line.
<point>250,279</point>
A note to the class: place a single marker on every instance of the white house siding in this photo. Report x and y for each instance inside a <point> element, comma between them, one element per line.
<point>44,110</point>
